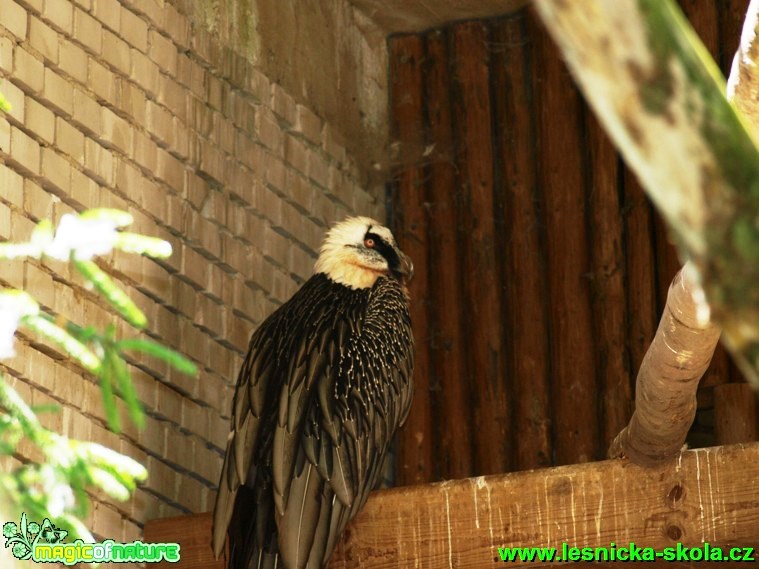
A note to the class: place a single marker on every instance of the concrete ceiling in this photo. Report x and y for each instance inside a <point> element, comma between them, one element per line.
<point>399,16</point>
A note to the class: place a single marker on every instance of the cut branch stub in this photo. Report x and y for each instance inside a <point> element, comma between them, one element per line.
<point>665,398</point>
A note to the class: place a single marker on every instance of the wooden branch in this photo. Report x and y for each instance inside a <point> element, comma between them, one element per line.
<point>707,495</point>
<point>665,393</point>
<point>660,97</point>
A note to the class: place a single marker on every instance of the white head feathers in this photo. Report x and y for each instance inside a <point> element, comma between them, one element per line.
<point>345,258</point>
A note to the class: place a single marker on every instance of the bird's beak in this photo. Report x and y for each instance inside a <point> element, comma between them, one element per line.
<point>405,266</point>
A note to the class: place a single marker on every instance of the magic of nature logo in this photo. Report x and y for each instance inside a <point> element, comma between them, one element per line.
<point>43,543</point>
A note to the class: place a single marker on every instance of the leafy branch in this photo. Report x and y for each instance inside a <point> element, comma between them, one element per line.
<point>79,238</point>
<point>56,487</point>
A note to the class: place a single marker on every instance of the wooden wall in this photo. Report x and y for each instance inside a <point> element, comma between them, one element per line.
<point>541,266</point>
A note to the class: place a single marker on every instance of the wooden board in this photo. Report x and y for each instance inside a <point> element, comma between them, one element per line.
<point>562,181</point>
<point>410,228</point>
<point>480,259</point>
<point>525,281</point>
<point>193,533</point>
<point>452,406</point>
<point>706,495</point>
<point>615,379</point>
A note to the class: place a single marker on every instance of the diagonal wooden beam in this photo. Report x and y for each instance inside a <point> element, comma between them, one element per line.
<point>706,495</point>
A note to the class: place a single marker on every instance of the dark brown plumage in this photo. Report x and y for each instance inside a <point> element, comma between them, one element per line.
<point>324,386</point>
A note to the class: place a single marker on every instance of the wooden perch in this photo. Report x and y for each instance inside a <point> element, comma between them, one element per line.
<point>661,98</point>
<point>665,392</point>
<point>707,495</point>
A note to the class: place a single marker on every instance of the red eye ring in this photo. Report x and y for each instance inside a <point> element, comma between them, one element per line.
<point>369,242</point>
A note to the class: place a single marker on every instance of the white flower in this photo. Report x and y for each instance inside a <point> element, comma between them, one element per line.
<point>60,499</point>
<point>14,305</point>
<point>84,237</point>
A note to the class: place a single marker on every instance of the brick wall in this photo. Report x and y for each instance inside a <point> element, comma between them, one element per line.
<point>128,105</point>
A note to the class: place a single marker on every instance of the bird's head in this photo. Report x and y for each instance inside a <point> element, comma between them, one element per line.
<point>359,250</point>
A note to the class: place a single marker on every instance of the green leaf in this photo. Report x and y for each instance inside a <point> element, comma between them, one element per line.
<point>103,457</point>
<point>58,335</point>
<point>17,407</point>
<point>42,234</point>
<point>21,299</point>
<point>117,297</point>
<point>50,408</point>
<point>18,251</point>
<point>118,217</point>
<point>174,359</point>
<point>109,399</point>
<point>142,245</point>
<point>126,387</point>
<point>41,237</point>
<point>110,484</point>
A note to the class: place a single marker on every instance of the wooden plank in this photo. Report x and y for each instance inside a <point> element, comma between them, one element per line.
<point>705,495</point>
<point>452,411</point>
<point>735,413</point>
<point>640,278</point>
<point>415,439</point>
<point>704,16</point>
<point>395,16</point>
<point>720,370</point>
<point>482,280</point>
<point>560,175</point>
<point>526,324</point>
<point>193,533</point>
<point>608,282</point>
<point>667,261</point>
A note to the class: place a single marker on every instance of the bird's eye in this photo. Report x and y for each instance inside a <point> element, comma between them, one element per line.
<point>369,243</point>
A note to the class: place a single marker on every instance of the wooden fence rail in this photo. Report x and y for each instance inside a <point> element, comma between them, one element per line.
<point>705,495</point>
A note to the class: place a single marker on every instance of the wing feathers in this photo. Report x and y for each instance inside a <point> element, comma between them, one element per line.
<point>321,392</point>
<point>341,480</point>
<point>222,513</point>
<point>297,525</point>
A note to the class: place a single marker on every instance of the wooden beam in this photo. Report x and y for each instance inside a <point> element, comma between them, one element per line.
<point>561,177</point>
<point>449,391</point>
<point>402,16</point>
<point>415,455</point>
<point>489,395</point>
<point>526,322</point>
<point>735,413</point>
<point>193,534</point>
<point>705,495</point>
